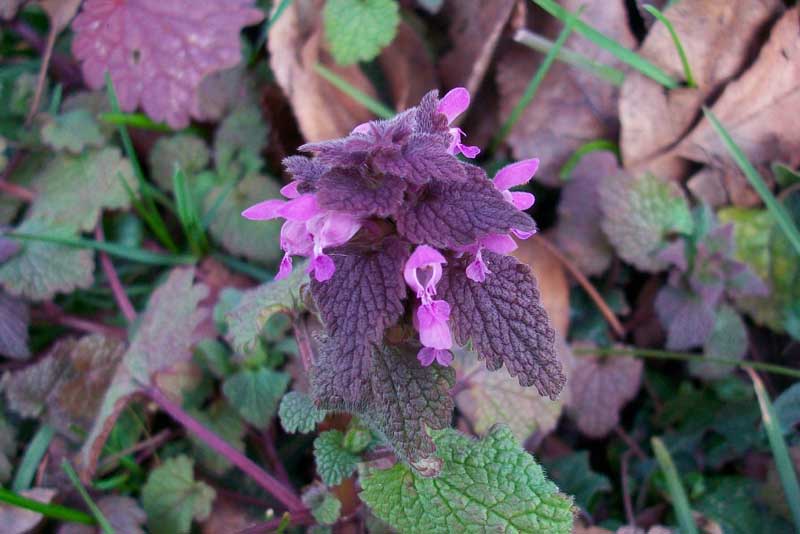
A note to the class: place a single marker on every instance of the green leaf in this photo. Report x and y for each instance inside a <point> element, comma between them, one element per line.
<point>640,214</point>
<point>186,151</point>
<point>238,142</point>
<point>728,339</point>
<point>222,419</point>
<point>334,462</point>
<point>72,131</point>
<point>41,269</point>
<point>574,475</point>
<point>487,485</point>
<point>325,506</point>
<point>255,240</point>
<point>172,497</point>
<point>787,408</point>
<point>357,30</point>
<point>298,413</point>
<point>74,190</point>
<point>247,319</point>
<point>255,394</point>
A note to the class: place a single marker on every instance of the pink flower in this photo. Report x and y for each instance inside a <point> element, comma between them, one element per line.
<point>422,272</point>
<point>453,104</point>
<point>308,230</point>
<point>519,173</point>
<point>497,243</point>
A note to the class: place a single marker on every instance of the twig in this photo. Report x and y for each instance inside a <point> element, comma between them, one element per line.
<point>626,492</point>
<point>48,54</point>
<point>63,66</point>
<point>630,442</point>
<point>120,296</point>
<point>284,495</point>
<point>587,286</point>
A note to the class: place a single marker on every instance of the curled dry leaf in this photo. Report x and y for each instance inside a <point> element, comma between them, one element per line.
<point>571,106</point>
<point>408,67</point>
<point>553,285</point>
<point>295,47</point>
<point>754,109</point>
<point>717,38</point>
<point>599,389</point>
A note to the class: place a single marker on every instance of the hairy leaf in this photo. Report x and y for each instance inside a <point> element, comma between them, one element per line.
<point>41,269</point>
<point>255,240</point>
<point>728,339</point>
<point>187,151</point>
<point>334,462</point>
<point>298,413</point>
<point>14,319</point>
<point>359,193</point>
<point>599,389</point>
<point>505,321</point>
<point>123,514</point>
<point>574,476</point>
<point>452,214</point>
<point>74,190</point>
<point>72,131</point>
<point>255,394</point>
<point>688,319</point>
<point>324,505</point>
<point>357,30</point>
<point>257,305</point>
<point>172,497</point>
<point>198,38</point>
<point>486,485</point>
<point>361,300</point>
<point>639,213</point>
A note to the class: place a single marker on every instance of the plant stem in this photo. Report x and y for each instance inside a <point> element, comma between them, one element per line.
<point>17,191</point>
<point>102,522</point>
<point>118,291</point>
<point>283,494</point>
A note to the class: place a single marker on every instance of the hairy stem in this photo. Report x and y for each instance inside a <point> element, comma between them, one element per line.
<point>284,495</point>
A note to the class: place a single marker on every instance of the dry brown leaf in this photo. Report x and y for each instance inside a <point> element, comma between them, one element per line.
<point>599,389</point>
<point>551,279</point>
<point>408,67</point>
<point>759,111</point>
<point>571,106</point>
<point>717,38</point>
<point>15,520</point>
<point>123,514</point>
<point>227,516</point>
<point>295,46</point>
<point>475,28</point>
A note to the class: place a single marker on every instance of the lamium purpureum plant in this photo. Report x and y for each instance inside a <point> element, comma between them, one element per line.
<point>407,249</point>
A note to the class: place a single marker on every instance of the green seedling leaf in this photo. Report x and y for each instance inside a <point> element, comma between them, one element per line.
<point>72,131</point>
<point>325,506</point>
<point>255,394</point>
<point>728,339</point>
<point>492,483</point>
<point>238,142</point>
<point>357,30</point>
<point>298,413</point>
<point>334,462</point>
<point>185,151</point>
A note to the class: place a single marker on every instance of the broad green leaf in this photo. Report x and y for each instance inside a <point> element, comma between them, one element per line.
<point>42,269</point>
<point>491,485</point>
<point>172,498</point>
<point>247,319</point>
<point>72,131</point>
<point>574,475</point>
<point>787,407</point>
<point>255,240</point>
<point>324,505</point>
<point>728,339</point>
<point>222,419</point>
<point>238,142</point>
<point>298,413</point>
<point>639,214</point>
<point>334,462</point>
<point>74,190</point>
<point>255,394</point>
<point>357,30</point>
<point>14,319</point>
<point>187,151</point>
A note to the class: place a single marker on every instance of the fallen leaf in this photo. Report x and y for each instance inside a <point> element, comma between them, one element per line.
<point>717,38</point>
<point>14,319</point>
<point>550,275</point>
<point>599,388</point>
<point>408,68</point>
<point>295,42</point>
<point>226,516</point>
<point>572,106</point>
<point>60,12</point>
<point>17,520</point>
<point>475,29</point>
<point>753,109</point>
<point>123,514</point>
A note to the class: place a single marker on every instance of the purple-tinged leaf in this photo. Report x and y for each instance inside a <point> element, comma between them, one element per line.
<point>359,193</point>
<point>427,117</point>
<point>157,53</point>
<point>457,214</point>
<point>306,170</point>
<point>505,320</point>
<point>123,514</point>
<point>14,318</point>
<point>362,299</point>
<point>688,319</point>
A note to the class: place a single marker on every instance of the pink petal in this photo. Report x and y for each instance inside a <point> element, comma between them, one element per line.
<point>295,238</point>
<point>522,234</point>
<point>333,228</point>
<point>454,103</point>
<point>517,173</point>
<point>424,256</point>
<point>264,211</point>
<point>444,357</point>
<point>426,355</point>
<point>301,208</point>
<point>477,270</point>
<point>434,330</point>
<point>499,243</point>
<point>290,190</point>
<point>323,267</point>
<point>363,128</point>
<point>522,200</point>
<point>285,268</point>
<point>468,151</point>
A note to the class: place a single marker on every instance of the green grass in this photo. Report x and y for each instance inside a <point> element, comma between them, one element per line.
<point>53,511</point>
<point>678,495</point>
<point>101,520</point>
<point>34,453</point>
<point>687,71</point>
<point>587,148</point>
<point>356,94</point>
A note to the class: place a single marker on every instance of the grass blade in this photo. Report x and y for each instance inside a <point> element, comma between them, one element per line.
<point>786,471</point>
<point>262,36</point>
<point>137,120</point>
<point>356,94</point>
<point>187,213</point>
<point>102,522</point>
<point>536,81</point>
<point>586,148</point>
<point>53,511</point>
<point>687,71</point>
<point>777,210</point>
<point>542,44</point>
<point>620,52</point>
<point>33,456</point>
<point>120,251</point>
<point>679,500</point>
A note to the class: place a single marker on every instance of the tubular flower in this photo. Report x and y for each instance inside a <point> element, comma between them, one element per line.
<point>452,105</point>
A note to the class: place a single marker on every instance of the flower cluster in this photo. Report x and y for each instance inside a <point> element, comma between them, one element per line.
<point>392,200</point>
